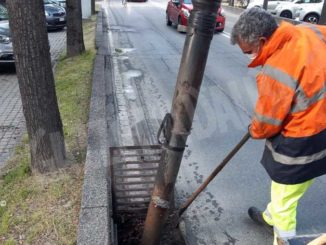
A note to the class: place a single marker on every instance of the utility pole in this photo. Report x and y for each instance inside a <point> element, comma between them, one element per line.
<point>265,4</point>
<point>177,125</point>
<point>322,20</point>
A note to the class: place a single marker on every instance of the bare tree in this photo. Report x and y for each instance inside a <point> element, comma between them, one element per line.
<point>322,20</point>
<point>36,84</point>
<point>93,6</point>
<point>75,39</point>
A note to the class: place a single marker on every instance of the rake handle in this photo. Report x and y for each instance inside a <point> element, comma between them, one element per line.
<point>214,173</point>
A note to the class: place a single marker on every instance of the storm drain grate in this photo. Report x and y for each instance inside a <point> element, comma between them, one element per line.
<point>133,172</point>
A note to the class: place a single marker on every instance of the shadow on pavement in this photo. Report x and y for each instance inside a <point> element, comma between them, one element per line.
<point>6,69</point>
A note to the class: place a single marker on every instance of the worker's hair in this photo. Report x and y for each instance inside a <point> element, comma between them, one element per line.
<point>252,24</point>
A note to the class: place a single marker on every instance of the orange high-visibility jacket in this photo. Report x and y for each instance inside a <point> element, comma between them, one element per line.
<point>291,108</point>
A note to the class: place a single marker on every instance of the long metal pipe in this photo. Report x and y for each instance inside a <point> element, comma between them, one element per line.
<point>201,27</point>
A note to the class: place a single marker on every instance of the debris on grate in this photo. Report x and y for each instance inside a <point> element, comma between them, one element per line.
<point>133,173</point>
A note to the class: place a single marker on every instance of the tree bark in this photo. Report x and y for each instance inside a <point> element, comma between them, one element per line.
<point>93,6</point>
<point>322,20</point>
<point>36,84</point>
<point>265,4</point>
<point>75,39</point>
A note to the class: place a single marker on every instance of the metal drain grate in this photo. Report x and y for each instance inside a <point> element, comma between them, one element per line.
<point>133,172</point>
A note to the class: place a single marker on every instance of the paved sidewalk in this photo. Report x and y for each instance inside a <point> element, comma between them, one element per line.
<point>12,122</point>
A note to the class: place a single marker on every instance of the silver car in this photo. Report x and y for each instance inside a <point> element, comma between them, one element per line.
<point>55,15</point>
<point>6,50</point>
<point>61,3</point>
<point>3,12</point>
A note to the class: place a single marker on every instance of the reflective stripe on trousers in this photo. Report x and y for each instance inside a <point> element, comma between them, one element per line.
<point>282,210</point>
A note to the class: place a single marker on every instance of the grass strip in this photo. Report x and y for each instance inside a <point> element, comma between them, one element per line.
<point>44,209</point>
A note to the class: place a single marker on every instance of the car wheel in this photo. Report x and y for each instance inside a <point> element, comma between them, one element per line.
<point>312,18</point>
<point>286,14</point>
<point>168,21</point>
<point>244,3</point>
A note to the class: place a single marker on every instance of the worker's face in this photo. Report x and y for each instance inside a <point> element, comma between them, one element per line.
<point>252,50</point>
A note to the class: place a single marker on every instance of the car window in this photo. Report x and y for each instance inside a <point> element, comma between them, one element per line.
<point>309,1</point>
<point>47,2</point>
<point>4,29</point>
<point>3,13</point>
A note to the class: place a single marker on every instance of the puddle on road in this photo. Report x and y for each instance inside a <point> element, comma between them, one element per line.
<point>131,74</point>
<point>117,28</point>
<point>123,51</point>
<point>130,93</point>
<point>123,58</point>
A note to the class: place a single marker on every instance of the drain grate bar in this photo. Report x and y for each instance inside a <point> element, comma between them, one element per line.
<point>133,202</point>
<point>134,183</point>
<point>133,196</point>
<point>157,161</point>
<point>135,175</point>
<point>132,189</point>
<point>136,169</point>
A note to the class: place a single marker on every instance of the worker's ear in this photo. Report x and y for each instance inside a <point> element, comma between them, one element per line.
<point>262,41</point>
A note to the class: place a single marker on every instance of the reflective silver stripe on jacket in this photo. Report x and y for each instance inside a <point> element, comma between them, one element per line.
<point>268,120</point>
<point>280,76</point>
<point>302,100</point>
<point>316,30</point>
<point>278,157</point>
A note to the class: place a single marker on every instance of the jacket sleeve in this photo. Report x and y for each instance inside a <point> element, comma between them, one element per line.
<point>273,105</point>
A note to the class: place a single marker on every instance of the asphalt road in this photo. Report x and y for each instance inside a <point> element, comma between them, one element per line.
<point>146,57</point>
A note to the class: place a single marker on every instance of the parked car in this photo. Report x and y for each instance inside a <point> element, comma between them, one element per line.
<point>61,3</point>
<point>3,12</point>
<point>55,15</point>
<point>311,13</point>
<point>271,4</point>
<point>290,9</point>
<point>6,50</point>
<point>178,12</point>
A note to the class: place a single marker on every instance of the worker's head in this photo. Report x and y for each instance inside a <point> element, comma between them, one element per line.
<point>252,30</point>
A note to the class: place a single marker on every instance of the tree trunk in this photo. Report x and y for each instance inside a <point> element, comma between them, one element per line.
<point>36,84</point>
<point>93,6</point>
<point>265,4</point>
<point>75,40</point>
<point>322,20</point>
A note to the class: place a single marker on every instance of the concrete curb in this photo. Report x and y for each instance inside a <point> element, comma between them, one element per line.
<point>95,222</point>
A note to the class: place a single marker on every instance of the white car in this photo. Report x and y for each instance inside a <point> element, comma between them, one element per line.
<point>272,4</point>
<point>310,14</point>
<point>290,9</point>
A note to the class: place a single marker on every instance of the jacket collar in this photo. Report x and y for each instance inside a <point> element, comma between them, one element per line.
<point>282,34</point>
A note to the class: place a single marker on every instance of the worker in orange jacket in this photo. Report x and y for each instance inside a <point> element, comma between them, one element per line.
<point>290,112</point>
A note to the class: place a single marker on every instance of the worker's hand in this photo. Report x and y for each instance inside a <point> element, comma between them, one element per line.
<point>249,130</point>
<point>319,240</point>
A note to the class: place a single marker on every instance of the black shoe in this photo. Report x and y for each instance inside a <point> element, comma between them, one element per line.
<point>257,216</point>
